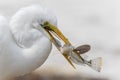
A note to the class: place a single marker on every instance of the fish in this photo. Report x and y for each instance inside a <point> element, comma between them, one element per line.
<point>73,55</point>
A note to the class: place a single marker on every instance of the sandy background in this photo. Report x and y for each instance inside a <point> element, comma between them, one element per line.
<point>94,22</point>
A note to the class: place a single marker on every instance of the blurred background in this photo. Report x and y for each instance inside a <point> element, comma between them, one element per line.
<point>94,22</point>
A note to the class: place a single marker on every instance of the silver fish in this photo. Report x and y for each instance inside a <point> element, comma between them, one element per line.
<point>74,56</point>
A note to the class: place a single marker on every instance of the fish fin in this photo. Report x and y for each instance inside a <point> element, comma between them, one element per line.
<point>96,64</point>
<point>82,49</point>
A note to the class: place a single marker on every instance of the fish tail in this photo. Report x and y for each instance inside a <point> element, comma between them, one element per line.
<point>96,64</point>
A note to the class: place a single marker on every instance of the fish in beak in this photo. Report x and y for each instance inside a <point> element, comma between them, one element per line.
<point>54,31</point>
<point>69,52</point>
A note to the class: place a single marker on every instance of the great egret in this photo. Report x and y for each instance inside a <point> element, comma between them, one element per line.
<point>25,41</point>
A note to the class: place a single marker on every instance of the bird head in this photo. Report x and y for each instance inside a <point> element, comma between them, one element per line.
<point>36,18</point>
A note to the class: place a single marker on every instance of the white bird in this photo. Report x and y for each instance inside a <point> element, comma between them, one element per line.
<point>25,40</point>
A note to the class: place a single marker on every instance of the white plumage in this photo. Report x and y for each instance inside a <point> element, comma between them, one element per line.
<point>24,44</point>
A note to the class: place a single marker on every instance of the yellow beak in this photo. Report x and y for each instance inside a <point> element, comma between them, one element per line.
<point>61,36</point>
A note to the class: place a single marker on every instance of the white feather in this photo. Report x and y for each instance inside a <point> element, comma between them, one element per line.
<point>23,47</point>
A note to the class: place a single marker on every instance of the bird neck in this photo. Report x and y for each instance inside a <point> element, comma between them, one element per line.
<point>34,44</point>
<point>35,47</point>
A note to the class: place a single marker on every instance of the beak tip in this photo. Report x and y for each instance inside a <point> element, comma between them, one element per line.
<point>69,61</point>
